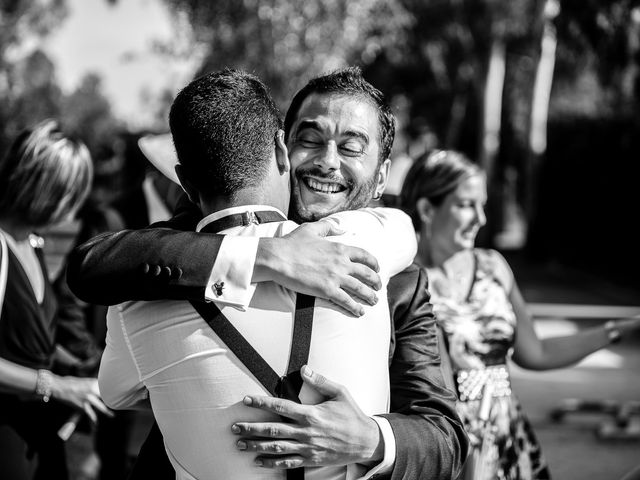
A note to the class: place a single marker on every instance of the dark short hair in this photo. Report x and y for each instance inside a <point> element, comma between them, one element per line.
<point>45,176</point>
<point>433,176</point>
<point>348,81</point>
<point>224,125</point>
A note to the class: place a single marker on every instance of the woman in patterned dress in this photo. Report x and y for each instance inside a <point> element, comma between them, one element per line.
<point>484,317</point>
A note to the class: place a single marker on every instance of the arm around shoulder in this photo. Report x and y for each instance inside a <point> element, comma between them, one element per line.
<point>150,264</point>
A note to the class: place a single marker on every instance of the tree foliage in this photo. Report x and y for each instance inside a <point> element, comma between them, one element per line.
<point>27,85</point>
<point>598,58</point>
<point>87,113</point>
<point>29,91</point>
<point>287,42</point>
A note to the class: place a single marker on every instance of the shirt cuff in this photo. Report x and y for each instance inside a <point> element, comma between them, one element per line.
<point>230,279</point>
<point>389,459</point>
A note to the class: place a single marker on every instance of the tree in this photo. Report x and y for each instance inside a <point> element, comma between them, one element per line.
<point>35,94</point>
<point>287,42</point>
<point>22,21</point>
<point>87,113</point>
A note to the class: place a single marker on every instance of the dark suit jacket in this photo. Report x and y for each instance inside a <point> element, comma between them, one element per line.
<point>156,263</point>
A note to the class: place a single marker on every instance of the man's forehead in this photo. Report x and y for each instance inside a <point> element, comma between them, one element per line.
<point>338,110</point>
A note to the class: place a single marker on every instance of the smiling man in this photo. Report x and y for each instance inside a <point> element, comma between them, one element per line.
<point>337,166</point>
<point>339,132</point>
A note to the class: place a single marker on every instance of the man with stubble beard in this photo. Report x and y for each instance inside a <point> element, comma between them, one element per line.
<point>339,131</point>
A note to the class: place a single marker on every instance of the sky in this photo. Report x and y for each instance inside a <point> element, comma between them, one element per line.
<point>115,41</point>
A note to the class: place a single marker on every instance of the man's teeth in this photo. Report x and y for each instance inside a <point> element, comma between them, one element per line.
<point>324,187</point>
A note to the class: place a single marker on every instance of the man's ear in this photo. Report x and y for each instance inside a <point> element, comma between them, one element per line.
<point>187,186</point>
<point>425,210</point>
<point>282,154</point>
<point>383,177</point>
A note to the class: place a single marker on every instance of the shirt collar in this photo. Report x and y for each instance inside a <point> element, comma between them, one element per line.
<point>232,211</point>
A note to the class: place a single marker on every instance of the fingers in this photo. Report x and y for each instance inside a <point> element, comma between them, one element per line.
<point>282,463</point>
<point>320,383</point>
<point>269,447</point>
<point>321,228</point>
<point>279,406</point>
<point>86,406</point>
<point>359,255</point>
<point>270,430</point>
<point>98,404</point>
<point>328,228</point>
<point>366,275</point>
<point>359,291</point>
<point>344,301</point>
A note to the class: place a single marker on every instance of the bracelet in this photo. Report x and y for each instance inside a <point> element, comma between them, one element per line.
<point>44,381</point>
<point>613,332</point>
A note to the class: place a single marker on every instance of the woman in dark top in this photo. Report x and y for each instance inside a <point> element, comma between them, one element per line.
<point>44,178</point>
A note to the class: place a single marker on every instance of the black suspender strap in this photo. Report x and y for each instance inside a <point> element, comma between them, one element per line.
<point>287,386</point>
<point>238,344</point>
<point>277,386</point>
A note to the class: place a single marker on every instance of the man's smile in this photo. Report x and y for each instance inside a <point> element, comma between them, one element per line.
<point>323,185</point>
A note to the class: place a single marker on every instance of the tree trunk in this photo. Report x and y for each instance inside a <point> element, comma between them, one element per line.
<point>492,107</point>
<point>540,111</point>
<point>490,138</point>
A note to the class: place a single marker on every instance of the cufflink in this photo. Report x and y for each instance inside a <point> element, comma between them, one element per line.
<point>217,288</point>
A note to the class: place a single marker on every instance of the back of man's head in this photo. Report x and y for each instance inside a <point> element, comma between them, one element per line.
<point>224,125</point>
<point>348,81</point>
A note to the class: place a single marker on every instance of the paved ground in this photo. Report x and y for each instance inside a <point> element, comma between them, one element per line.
<point>573,447</point>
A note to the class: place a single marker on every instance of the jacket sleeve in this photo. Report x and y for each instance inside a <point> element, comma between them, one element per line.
<point>164,261</point>
<point>430,440</point>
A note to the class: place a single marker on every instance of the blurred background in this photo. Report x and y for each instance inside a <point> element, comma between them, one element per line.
<point>544,94</point>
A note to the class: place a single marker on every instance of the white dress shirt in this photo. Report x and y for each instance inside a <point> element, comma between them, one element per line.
<point>196,384</point>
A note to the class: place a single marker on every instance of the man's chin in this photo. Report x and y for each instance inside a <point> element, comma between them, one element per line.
<point>312,213</point>
<point>310,206</point>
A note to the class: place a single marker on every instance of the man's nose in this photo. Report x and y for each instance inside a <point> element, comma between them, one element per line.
<point>328,159</point>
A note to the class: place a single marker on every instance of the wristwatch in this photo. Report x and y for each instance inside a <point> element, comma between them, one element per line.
<point>44,381</point>
<point>613,332</point>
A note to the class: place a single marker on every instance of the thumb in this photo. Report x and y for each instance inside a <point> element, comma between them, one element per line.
<point>320,383</point>
<point>325,228</point>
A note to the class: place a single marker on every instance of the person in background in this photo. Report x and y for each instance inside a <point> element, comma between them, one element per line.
<point>81,330</point>
<point>485,319</point>
<point>44,178</point>
<point>81,326</point>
